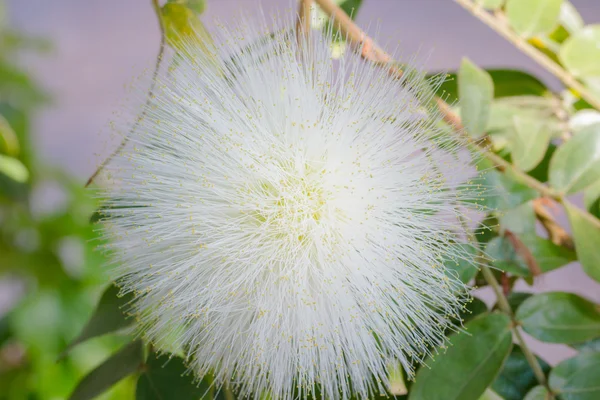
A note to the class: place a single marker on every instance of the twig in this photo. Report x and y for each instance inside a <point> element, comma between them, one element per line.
<point>556,233</point>
<point>498,23</point>
<point>159,58</point>
<point>303,24</point>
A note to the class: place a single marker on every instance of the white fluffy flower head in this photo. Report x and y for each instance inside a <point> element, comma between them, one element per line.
<point>283,217</point>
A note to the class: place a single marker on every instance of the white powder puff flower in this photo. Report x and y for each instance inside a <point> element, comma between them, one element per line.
<point>283,218</point>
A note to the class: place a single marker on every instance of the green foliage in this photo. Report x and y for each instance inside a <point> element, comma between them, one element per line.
<point>577,378</point>
<point>559,317</point>
<point>469,364</point>
<point>533,17</point>
<point>580,54</point>
<point>476,91</point>
<point>576,164</point>
<point>120,365</point>
<point>516,377</point>
<point>167,377</point>
<point>586,232</point>
<point>109,316</point>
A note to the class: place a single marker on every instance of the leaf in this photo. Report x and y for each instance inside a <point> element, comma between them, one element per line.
<point>470,363</point>
<point>120,365</point>
<point>590,345</point>
<point>166,377</point>
<point>8,138</point>
<point>471,310</point>
<point>580,54</point>
<point>548,255</point>
<point>460,266</point>
<point>476,91</point>
<point>591,199</point>
<point>533,17</point>
<point>576,164</point>
<point>108,317</point>
<point>491,4</point>
<point>538,393</point>
<point>502,191</point>
<point>183,29</point>
<point>577,378</point>
<point>519,220</point>
<point>197,6</point>
<point>559,317</point>
<point>507,82</point>
<point>13,169</point>
<point>570,18</point>
<point>529,142</point>
<point>515,299</point>
<point>586,235</point>
<point>516,377</point>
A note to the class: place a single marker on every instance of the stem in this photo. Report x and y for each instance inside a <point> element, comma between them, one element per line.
<point>303,24</point>
<point>499,24</point>
<point>159,58</point>
<point>504,306</point>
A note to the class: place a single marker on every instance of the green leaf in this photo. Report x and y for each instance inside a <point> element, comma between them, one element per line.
<point>491,4</point>
<point>502,191</point>
<point>515,299</point>
<point>529,142</point>
<point>559,317</point>
<point>13,169</point>
<point>183,28</point>
<point>516,377</point>
<point>476,91</point>
<point>591,199</point>
<point>577,378</point>
<point>167,377</point>
<point>576,164</point>
<point>198,6</point>
<point>538,393</point>
<point>120,365</point>
<point>548,255</point>
<point>569,17</point>
<point>580,54</point>
<point>471,310</point>
<point>590,345</point>
<point>533,17</point>
<point>586,235</point>
<point>460,266</point>
<point>519,220</point>
<point>9,142</point>
<point>470,363</point>
<point>108,317</point>
<point>507,82</point>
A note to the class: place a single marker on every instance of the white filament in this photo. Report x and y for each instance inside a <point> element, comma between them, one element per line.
<point>283,217</point>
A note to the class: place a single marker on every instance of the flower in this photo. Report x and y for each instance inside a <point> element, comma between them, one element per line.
<point>284,217</point>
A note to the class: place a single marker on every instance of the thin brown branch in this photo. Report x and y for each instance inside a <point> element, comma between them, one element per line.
<point>524,252</point>
<point>498,23</point>
<point>303,24</point>
<point>556,233</point>
<point>159,58</point>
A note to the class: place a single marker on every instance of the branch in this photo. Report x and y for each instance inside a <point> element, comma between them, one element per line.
<point>149,96</point>
<point>303,24</point>
<point>556,233</point>
<point>498,23</point>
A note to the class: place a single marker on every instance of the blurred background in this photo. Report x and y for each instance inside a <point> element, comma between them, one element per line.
<point>64,69</point>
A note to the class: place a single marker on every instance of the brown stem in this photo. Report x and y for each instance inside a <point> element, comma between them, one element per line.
<point>498,23</point>
<point>556,233</point>
<point>159,58</point>
<point>303,24</point>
